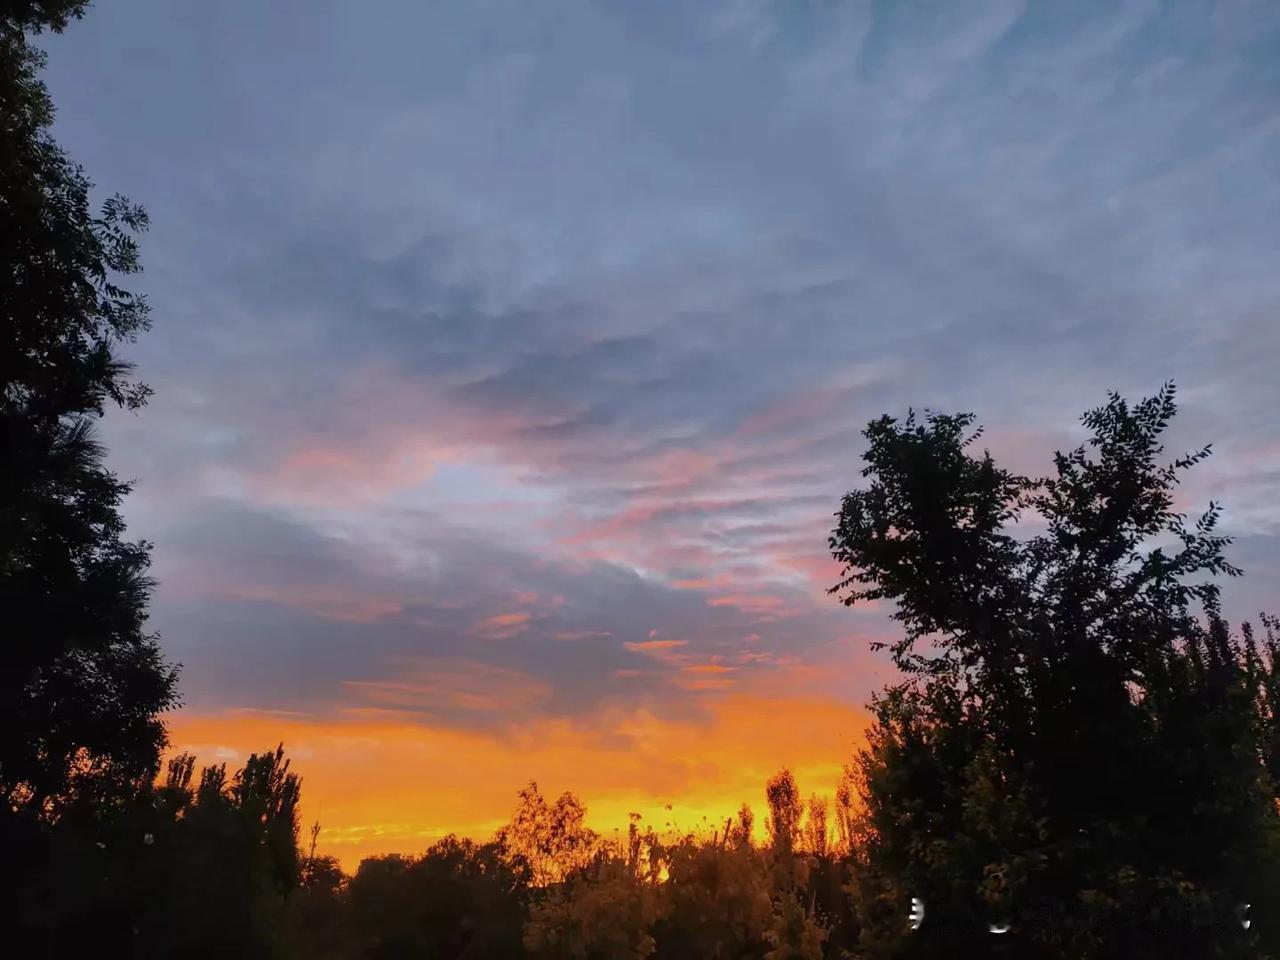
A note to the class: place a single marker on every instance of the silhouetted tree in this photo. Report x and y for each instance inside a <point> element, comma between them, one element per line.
<point>785,810</point>
<point>316,924</point>
<point>460,900</point>
<point>216,877</point>
<point>550,838</point>
<point>1263,658</point>
<point>211,887</point>
<point>740,833</point>
<point>815,826</point>
<point>266,794</point>
<point>794,934</point>
<point>846,815</point>
<point>717,901</point>
<point>1074,750</point>
<point>81,682</point>
<point>603,911</point>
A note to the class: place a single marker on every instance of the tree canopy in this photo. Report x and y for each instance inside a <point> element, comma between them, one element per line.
<point>1080,750</point>
<point>81,681</point>
<point>1076,742</point>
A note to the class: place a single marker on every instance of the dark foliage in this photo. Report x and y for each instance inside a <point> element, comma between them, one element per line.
<point>81,682</point>
<point>1080,747</point>
<point>1080,743</point>
<point>460,899</point>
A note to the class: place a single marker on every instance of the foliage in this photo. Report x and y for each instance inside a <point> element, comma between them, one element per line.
<point>846,811</point>
<point>1080,745</point>
<point>38,15</point>
<point>717,901</point>
<point>551,839</point>
<point>639,896</point>
<point>458,899</point>
<point>81,683</point>
<point>785,810</point>
<point>794,934</point>
<point>814,833</point>
<point>1077,743</point>
<point>603,912</point>
<point>223,861</point>
<point>739,832</point>
<point>267,794</point>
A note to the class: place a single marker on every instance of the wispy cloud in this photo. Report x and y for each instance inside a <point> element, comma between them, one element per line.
<point>514,340</point>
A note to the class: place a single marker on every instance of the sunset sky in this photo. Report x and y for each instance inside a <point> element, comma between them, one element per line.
<point>510,358</point>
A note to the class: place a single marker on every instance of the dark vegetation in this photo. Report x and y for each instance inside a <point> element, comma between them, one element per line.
<point>1079,744</point>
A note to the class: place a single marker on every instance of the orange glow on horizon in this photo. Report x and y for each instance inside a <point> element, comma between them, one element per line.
<point>381,782</point>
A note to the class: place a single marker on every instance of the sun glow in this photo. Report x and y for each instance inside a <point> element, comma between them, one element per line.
<point>380,784</point>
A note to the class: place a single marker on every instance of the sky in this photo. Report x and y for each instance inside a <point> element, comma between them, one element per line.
<point>510,359</point>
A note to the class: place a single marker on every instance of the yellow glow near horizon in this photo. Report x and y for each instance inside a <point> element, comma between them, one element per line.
<point>378,784</point>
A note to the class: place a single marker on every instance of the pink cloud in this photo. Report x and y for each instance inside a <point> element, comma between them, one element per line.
<point>331,475</point>
<point>326,600</point>
<point>711,668</point>
<point>648,646</point>
<point>700,682</point>
<point>501,626</point>
<point>571,636</point>
<point>694,583</point>
<point>749,603</point>
<point>798,408</point>
<point>451,684</point>
<point>808,558</point>
<point>668,651</point>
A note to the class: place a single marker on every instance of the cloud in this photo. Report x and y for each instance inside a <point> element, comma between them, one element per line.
<point>524,339</point>
<point>500,626</point>
<point>757,605</point>
<point>441,687</point>
<point>272,612</point>
<point>669,652</point>
<point>380,782</point>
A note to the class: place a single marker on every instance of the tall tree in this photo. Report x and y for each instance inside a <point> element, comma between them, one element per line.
<point>207,869</point>
<point>550,840</point>
<point>81,681</point>
<point>815,826</point>
<point>1076,748</point>
<point>785,811</point>
<point>459,900</point>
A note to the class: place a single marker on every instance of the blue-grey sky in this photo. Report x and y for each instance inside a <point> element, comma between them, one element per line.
<point>510,358</point>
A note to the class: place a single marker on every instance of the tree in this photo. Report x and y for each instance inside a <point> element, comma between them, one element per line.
<point>815,826</point>
<point>846,814</point>
<point>266,794</point>
<point>785,811</point>
<point>81,682</point>
<point>717,901</point>
<point>460,899</point>
<point>604,911</point>
<point>794,934</point>
<point>740,832</point>
<point>218,862</point>
<point>550,839</point>
<point>1076,747</point>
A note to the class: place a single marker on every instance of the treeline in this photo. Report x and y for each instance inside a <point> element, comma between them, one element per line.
<point>548,887</point>
<point>212,866</point>
<point>1078,750</point>
<point>216,865</point>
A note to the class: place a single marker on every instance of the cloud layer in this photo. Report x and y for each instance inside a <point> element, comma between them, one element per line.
<point>511,358</point>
